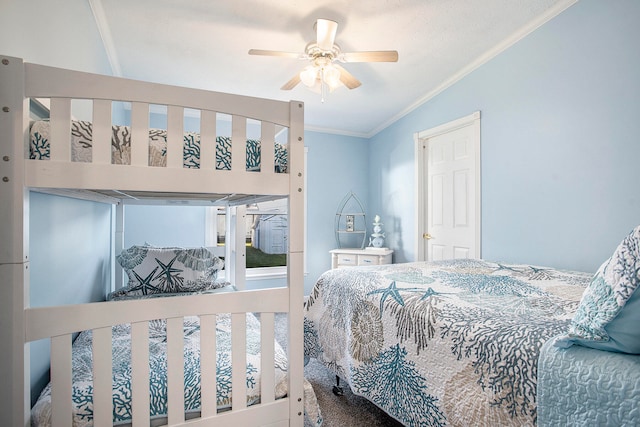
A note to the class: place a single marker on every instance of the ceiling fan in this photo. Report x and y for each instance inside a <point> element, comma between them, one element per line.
<point>323,55</point>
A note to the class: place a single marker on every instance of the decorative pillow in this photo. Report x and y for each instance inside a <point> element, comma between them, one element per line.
<point>608,316</point>
<point>153,270</point>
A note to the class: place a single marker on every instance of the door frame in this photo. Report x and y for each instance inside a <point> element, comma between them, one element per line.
<point>421,173</point>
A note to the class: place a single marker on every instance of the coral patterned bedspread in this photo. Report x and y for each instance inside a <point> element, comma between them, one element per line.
<point>82,359</point>
<point>441,343</point>
<point>82,143</point>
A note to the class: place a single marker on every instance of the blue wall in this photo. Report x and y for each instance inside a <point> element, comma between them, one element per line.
<point>70,246</point>
<point>164,226</point>
<point>26,32</point>
<point>336,165</point>
<point>559,142</point>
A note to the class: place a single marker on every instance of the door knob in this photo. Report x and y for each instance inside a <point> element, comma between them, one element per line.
<point>426,236</point>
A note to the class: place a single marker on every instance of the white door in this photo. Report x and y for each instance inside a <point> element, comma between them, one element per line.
<point>449,190</point>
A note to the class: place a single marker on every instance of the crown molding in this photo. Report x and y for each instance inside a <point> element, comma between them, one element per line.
<point>515,37</point>
<point>105,34</point>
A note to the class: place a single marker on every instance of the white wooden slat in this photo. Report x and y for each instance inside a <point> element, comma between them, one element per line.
<point>239,233</point>
<point>44,322</point>
<point>101,136</point>
<point>60,130</point>
<point>208,140</point>
<point>267,148</point>
<point>208,361</point>
<point>295,156</point>
<point>102,377</point>
<point>238,143</point>
<point>239,360</point>
<point>140,374</point>
<point>14,126</point>
<point>118,247</point>
<point>61,414</point>
<point>229,249</point>
<point>271,414</point>
<point>15,368</point>
<point>295,349</point>
<point>43,81</point>
<point>175,369</point>
<point>175,137</point>
<point>267,359</point>
<point>45,174</point>
<point>139,134</point>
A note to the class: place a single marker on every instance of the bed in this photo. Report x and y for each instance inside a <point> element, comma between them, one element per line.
<point>441,343</point>
<point>590,374</point>
<point>185,173</point>
<point>82,360</point>
<point>473,342</point>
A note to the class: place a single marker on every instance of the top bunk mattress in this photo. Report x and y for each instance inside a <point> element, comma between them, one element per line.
<point>81,147</point>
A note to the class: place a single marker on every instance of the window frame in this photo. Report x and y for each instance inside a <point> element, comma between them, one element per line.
<point>257,273</point>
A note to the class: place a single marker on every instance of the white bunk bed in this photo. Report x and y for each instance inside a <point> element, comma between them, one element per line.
<point>100,180</point>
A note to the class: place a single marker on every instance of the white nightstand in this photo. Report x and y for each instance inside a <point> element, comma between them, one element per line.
<point>351,257</point>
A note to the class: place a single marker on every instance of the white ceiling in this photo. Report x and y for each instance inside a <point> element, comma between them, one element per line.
<point>204,44</point>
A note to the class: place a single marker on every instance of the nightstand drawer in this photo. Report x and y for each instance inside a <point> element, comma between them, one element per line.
<point>347,259</point>
<point>352,257</point>
<point>368,259</point>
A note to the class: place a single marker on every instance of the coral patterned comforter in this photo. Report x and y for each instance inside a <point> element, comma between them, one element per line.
<point>82,360</point>
<point>441,343</point>
<point>82,393</point>
<point>82,143</point>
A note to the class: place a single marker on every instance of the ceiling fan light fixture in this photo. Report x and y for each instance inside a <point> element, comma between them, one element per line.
<point>309,75</point>
<point>331,77</point>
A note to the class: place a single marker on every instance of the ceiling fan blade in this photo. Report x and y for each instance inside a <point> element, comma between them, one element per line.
<point>277,53</point>
<point>291,83</point>
<point>347,78</point>
<point>326,33</point>
<point>371,56</point>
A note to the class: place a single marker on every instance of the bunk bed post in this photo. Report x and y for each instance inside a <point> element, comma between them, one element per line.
<point>228,244</point>
<point>118,247</point>
<point>240,246</point>
<point>14,235</point>
<point>295,263</point>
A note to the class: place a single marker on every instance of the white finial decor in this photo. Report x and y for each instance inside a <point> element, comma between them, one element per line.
<point>377,237</point>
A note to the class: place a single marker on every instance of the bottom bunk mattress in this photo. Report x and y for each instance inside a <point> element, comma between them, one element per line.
<point>121,339</point>
<point>441,343</point>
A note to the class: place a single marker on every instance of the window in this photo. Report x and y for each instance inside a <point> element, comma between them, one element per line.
<point>266,237</point>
